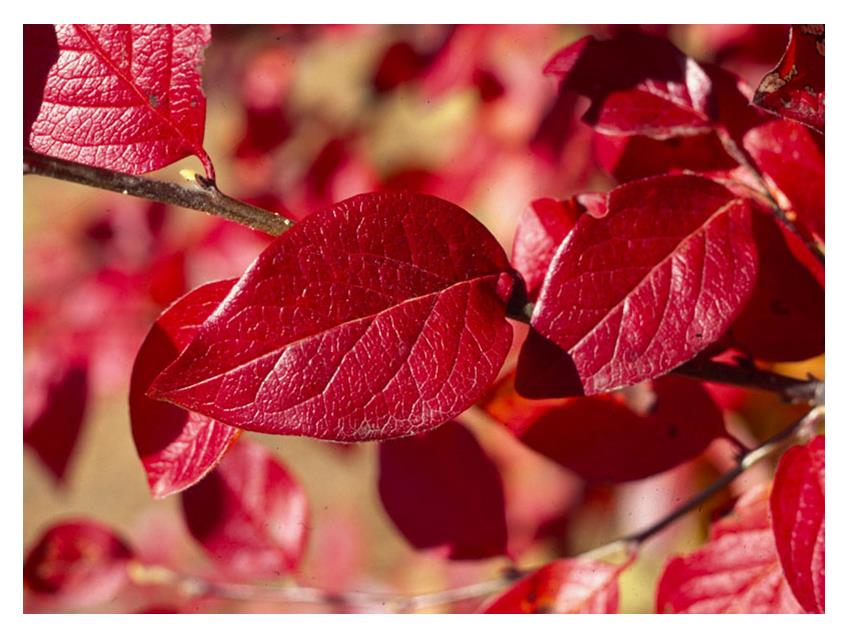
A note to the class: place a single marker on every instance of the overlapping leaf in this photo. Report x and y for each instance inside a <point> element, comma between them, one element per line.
<point>737,571</point>
<point>249,514</point>
<point>381,317</point>
<point>797,504</point>
<point>563,586</point>
<point>795,88</point>
<point>176,447</point>
<point>632,295</point>
<point>124,97</point>
<point>78,561</point>
<point>443,492</point>
<point>604,440</point>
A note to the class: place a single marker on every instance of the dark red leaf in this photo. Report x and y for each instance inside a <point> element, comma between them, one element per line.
<point>249,514</point>
<point>79,561</point>
<point>125,96</point>
<point>798,521</point>
<point>632,295</point>
<point>444,493</point>
<point>55,398</point>
<point>784,319</point>
<point>638,85</point>
<point>604,440</point>
<point>790,157</point>
<point>176,447</point>
<point>542,227</point>
<point>40,54</point>
<point>795,89</point>
<point>738,571</point>
<point>563,586</point>
<point>378,318</point>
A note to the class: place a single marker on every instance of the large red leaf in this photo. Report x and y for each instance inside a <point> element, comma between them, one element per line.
<point>638,85</point>
<point>55,399</point>
<point>642,290</point>
<point>563,586</point>
<point>176,447</point>
<point>798,521</point>
<point>795,89</point>
<point>784,319</point>
<point>383,316</point>
<point>443,492</point>
<point>249,514</point>
<point>604,440</point>
<point>791,159</point>
<point>126,97</point>
<point>79,561</point>
<point>738,571</point>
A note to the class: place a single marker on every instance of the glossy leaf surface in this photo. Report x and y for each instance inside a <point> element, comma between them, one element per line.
<point>737,571</point>
<point>124,97</point>
<point>381,317</point>
<point>632,295</point>
<point>795,89</point>
<point>176,447</point>
<point>249,514</point>
<point>604,440</point>
<point>797,503</point>
<point>563,586</point>
<point>81,561</point>
<point>443,492</point>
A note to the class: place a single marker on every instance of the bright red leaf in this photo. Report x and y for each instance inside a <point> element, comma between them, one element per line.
<point>79,561</point>
<point>443,492</point>
<point>793,162</point>
<point>798,521</point>
<point>125,97</point>
<point>604,440</point>
<point>784,319</point>
<point>795,89</point>
<point>738,571</point>
<point>638,85</point>
<point>380,317</point>
<point>632,295</point>
<point>176,447</point>
<point>55,400</point>
<point>249,514</point>
<point>563,586</point>
<point>542,227</point>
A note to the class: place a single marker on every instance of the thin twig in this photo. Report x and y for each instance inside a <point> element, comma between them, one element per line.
<point>792,390</point>
<point>204,196</point>
<point>355,600</point>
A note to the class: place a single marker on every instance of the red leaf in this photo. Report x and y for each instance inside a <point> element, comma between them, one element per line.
<point>125,97</point>
<point>795,89</point>
<point>542,227</point>
<point>640,291</point>
<point>784,319</point>
<point>792,160</point>
<point>40,54</point>
<point>736,572</point>
<point>798,521</point>
<point>563,586</point>
<point>443,492</point>
<point>176,447</point>
<point>380,317</point>
<point>249,514</point>
<point>603,440</point>
<point>55,397</point>
<point>80,561</point>
<point>638,85</point>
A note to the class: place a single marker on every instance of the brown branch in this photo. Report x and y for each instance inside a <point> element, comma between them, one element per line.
<point>799,430</point>
<point>204,197</point>
<point>791,390</point>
